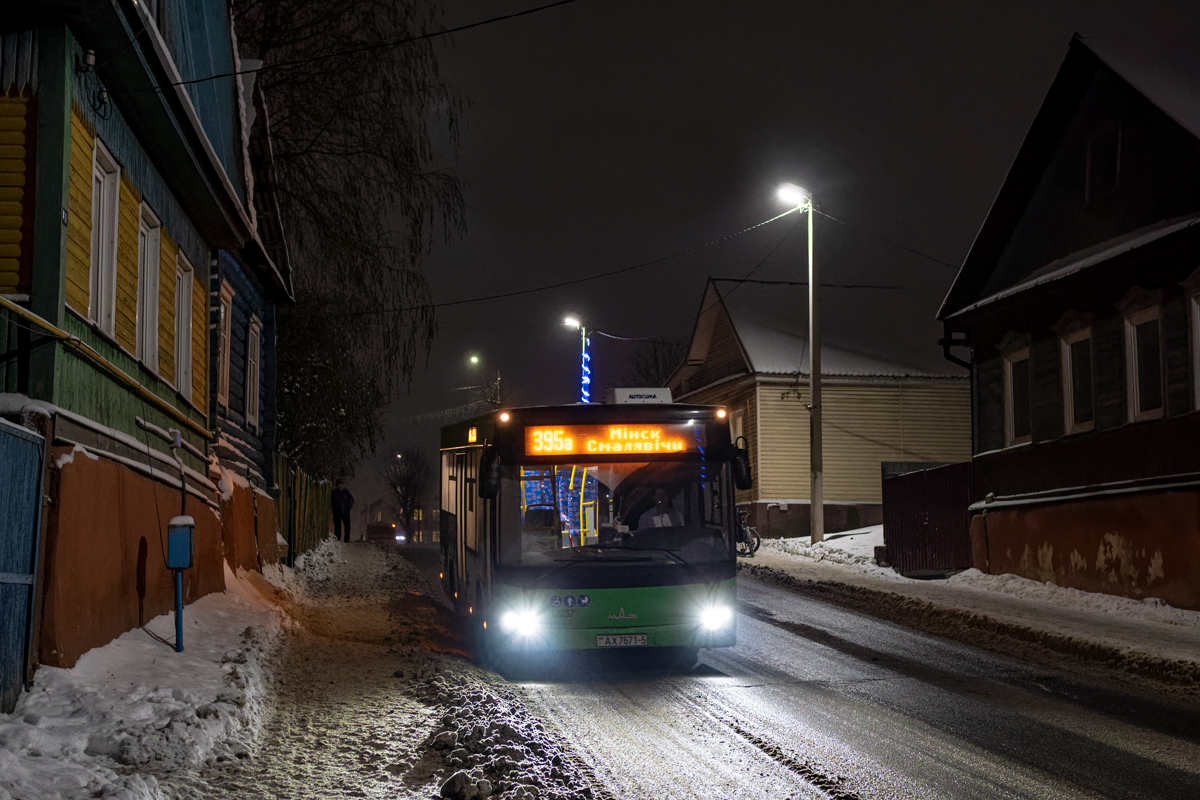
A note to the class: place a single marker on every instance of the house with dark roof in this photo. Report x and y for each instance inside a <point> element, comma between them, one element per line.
<point>750,354</point>
<point>1078,308</point>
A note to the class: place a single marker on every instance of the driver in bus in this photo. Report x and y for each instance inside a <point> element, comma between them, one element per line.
<point>661,514</point>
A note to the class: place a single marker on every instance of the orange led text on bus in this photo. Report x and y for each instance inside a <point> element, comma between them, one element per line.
<point>572,439</point>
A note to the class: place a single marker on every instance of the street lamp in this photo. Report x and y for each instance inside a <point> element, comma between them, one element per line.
<point>585,370</point>
<point>801,199</point>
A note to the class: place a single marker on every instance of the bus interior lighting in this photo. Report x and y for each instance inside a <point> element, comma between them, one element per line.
<point>715,617</point>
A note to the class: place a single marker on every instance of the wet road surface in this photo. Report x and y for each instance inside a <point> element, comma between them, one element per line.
<point>818,701</point>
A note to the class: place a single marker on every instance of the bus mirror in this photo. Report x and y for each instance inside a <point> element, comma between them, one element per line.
<point>742,477</point>
<point>489,473</point>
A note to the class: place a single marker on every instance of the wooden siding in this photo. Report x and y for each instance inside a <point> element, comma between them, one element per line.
<point>127,265</point>
<point>79,217</point>
<point>167,253</point>
<point>17,136</point>
<point>783,437</point>
<point>199,345</point>
<point>864,425</point>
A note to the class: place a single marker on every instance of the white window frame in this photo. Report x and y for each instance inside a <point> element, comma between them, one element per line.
<point>223,343</point>
<point>148,258</point>
<point>1132,388</point>
<point>1068,381</point>
<point>253,370</point>
<point>184,275</point>
<point>106,199</point>
<point>1010,439</point>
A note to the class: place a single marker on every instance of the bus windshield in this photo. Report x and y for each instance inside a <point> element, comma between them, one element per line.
<point>628,511</point>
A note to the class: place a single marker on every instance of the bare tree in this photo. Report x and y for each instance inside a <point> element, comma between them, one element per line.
<point>410,480</point>
<point>361,199</point>
<point>653,363</point>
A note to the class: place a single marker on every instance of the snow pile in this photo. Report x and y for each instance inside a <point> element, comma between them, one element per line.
<point>137,704</point>
<point>854,549</point>
<point>1151,609</point>
<point>497,748</point>
<point>317,565</point>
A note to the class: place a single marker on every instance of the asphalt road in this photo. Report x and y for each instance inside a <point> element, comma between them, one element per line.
<point>817,701</point>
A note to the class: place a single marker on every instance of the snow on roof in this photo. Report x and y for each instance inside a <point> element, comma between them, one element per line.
<point>1084,259</point>
<point>771,323</point>
<point>777,352</point>
<point>1164,69</point>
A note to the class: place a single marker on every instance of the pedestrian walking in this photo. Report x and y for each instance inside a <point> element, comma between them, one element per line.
<point>342,502</point>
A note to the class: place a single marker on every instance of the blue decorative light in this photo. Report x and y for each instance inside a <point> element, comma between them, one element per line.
<point>585,373</point>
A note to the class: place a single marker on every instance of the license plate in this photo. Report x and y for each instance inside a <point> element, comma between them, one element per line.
<point>621,640</point>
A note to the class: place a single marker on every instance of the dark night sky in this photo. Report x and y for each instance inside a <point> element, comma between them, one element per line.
<point>611,132</point>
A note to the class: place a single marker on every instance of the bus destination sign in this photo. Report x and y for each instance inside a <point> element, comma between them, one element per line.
<point>546,440</point>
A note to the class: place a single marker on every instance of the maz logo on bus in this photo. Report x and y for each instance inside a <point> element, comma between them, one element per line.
<point>572,439</point>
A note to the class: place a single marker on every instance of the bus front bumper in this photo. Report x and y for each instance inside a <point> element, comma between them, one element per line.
<point>649,636</point>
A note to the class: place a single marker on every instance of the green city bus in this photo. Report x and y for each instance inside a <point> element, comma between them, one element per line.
<point>590,527</point>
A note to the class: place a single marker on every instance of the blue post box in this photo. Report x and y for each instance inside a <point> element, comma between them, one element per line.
<point>179,558</point>
<point>179,542</point>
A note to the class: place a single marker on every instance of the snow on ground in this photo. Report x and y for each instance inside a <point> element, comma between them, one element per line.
<point>1144,638</point>
<point>856,550</point>
<point>135,703</point>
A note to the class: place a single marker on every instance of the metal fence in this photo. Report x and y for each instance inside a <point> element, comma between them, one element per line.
<point>304,510</point>
<point>21,453</point>
<point>926,524</point>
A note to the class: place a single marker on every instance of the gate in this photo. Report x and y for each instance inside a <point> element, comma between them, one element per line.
<point>20,490</point>
<point>926,524</point>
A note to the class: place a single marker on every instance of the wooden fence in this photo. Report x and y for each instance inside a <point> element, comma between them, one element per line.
<point>926,524</point>
<point>304,511</point>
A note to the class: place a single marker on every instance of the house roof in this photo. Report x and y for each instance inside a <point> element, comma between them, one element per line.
<point>775,352</point>
<point>1165,71</point>
<point>771,334</point>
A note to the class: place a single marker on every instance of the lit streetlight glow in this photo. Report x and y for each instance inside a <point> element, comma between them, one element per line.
<point>793,195</point>
<point>571,322</point>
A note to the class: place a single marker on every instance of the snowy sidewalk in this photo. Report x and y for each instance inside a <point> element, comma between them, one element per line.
<point>137,705</point>
<point>1145,635</point>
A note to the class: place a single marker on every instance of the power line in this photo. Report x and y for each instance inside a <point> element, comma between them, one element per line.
<point>380,46</point>
<point>549,286</point>
<point>893,243</point>
<point>805,283</point>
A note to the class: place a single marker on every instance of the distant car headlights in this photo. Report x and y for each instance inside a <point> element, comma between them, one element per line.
<point>400,537</point>
<point>520,623</point>
<point>715,617</point>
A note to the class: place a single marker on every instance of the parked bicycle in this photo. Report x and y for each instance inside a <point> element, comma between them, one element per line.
<point>748,540</point>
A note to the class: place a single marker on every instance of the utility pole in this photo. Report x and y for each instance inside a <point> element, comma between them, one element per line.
<point>816,462</point>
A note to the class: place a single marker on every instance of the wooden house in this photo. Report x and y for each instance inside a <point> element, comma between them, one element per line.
<point>1079,309</point>
<point>749,352</point>
<point>126,194</point>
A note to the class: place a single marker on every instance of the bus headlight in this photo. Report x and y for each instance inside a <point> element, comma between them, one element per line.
<point>715,617</point>
<point>520,623</point>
